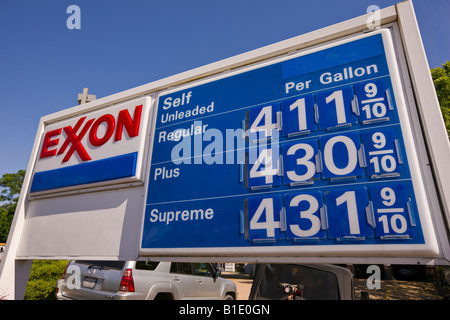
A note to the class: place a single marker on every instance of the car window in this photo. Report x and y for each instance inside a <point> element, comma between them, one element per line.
<point>181,267</point>
<point>103,264</point>
<point>203,269</point>
<point>146,265</point>
<point>317,284</point>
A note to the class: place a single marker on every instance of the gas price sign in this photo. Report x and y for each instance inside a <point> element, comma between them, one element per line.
<point>311,153</point>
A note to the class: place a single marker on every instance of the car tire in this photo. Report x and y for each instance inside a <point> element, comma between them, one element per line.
<point>228,297</point>
<point>164,296</point>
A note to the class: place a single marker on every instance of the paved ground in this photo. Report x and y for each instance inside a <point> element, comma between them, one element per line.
<point>243,283</point>
<point>390,290</point>
<point>398,290</point>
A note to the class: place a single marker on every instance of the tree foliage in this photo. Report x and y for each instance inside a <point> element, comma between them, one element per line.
<point>42,280</point>
<point>441,79</point>
<point>10,184</point>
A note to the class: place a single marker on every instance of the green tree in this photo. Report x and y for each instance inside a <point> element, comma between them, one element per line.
<point>441,79</point>
<point>5,224</point>
<point>42,280</point>
<point>10,184</point>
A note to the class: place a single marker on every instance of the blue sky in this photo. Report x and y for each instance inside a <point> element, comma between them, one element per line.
<point>124,44</point>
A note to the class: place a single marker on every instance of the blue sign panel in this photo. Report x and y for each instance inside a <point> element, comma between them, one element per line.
<point>304,152</point>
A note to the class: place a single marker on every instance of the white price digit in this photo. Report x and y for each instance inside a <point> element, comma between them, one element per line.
<point>371,90</point>
<point>378,110</point>
<point>268,171</point>
<point>305,161</point>
<point>388,196</point>
<point>264,116</point>
<point>338,99</point>
<point>266,206</point>
<point>379,140</point>
<point>352,155</point>
<point>349,199</point>
<point>307,214</point>
<point>394,223</point>
<point>388,162</point>
<point>300,105</point>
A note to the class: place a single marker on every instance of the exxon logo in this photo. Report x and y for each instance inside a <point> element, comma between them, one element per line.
<point>115,126</point>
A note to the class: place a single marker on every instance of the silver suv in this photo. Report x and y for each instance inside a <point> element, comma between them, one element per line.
<point>139,280</point>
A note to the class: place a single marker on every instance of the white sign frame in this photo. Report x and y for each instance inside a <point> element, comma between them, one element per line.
<point>431,140</point>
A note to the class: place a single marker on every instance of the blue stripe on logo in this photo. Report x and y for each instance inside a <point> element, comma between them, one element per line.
<point>122,166</point>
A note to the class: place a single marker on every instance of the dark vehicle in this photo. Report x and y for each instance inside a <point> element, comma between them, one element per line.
<point>409,272</point>
<point>302,282</point>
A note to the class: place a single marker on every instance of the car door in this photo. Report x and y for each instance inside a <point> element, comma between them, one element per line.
<point>183,280</point>
<point>207,286</point>
<point>315,282</point>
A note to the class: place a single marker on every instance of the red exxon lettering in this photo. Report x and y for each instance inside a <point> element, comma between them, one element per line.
<point>132,126</point>
<point>76,140</point>
<point>49,142</point>
<point>75,136</point>
<point>110,124</point>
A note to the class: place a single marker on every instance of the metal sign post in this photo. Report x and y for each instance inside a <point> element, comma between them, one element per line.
<point>85,97</point>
